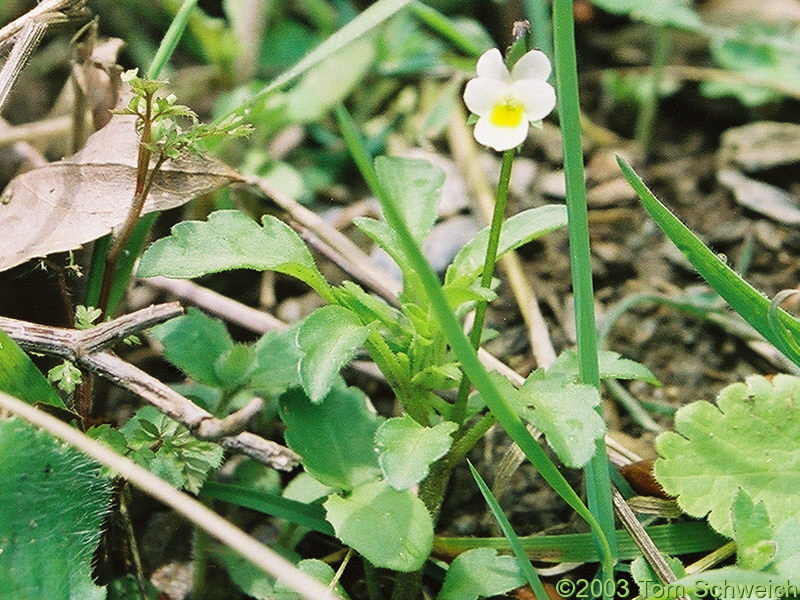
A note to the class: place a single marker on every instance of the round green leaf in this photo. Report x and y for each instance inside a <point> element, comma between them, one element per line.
<point>391,529</point>
<point>407,449</point>
<point>480,573</point>
<point>748,441</point>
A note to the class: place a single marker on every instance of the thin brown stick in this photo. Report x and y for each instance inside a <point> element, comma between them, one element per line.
<point>650,551</point>
<point>87,348</point>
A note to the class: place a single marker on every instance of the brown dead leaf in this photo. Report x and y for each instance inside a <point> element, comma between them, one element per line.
<point>67,203</point>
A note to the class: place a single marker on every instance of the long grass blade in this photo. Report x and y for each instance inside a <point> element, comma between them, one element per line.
<point>523,561</point>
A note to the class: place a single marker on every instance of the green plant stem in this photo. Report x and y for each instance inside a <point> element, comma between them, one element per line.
<point>460,406</point>
<point>649,109</point>
<point>171,38</point>
<point>598,483</point>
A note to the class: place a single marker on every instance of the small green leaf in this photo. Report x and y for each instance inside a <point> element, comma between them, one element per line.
<point>672,13</point>
<point>328,339</point>
<point>85,317</point>
<point>565,412</point>
<point>752,532</point>
<point>193,342</point>
<point>20,378</point>
<point>744,442</point>
<point>407,449</point>
<point>415,186</point>
<point>611,365</point>
<point>391,529</point>
<point>517,230</point>
<point>319,570</point>
<point>52,505</point>
<point>66,375</point>
<point>480,573</point>
<point>333,438</point>
<point>232,240</point>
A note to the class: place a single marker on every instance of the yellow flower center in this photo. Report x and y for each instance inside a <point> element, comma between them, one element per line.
<point>507,113</point>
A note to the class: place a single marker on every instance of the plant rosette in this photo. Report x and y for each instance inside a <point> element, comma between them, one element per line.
<point>506,103</point>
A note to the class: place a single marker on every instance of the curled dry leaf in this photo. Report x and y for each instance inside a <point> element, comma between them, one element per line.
<point>67,203</point>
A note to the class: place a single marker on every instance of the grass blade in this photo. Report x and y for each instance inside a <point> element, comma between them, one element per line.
<point>523,561</point>
<point>753,306</point>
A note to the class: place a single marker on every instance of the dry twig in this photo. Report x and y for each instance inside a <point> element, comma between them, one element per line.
<point>87,348</point>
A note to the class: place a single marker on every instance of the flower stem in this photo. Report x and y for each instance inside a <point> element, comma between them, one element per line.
<point>460,406</point>
<point>598,485</point>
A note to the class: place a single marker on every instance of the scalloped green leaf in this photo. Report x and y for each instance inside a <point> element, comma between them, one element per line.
<point>415,186</point>
<point>480,573</point>
<point>744,441</point>
<point>406,449</point>
<point>277,362</point>
<point>328,339</point>
<point>611,366</point>
<point>391,529</point>
<point>565,412</point>
<point>230,239</point>
<point>52,505</point>
<point>333,438</point>
<point>20,378</point>
<point>517,230</point>
<point>193,342</point>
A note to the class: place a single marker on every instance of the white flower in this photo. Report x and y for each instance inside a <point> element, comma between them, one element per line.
<point>507,102</point>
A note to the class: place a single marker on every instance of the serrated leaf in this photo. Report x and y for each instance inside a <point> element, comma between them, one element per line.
<point>480,573</point>
<point>415,186</point>
<point>20,378</point>
<point>52,505</point>
<point>565,412</point>
<point>752,532</point>
<point>328,339</point>
<point>517,230</point>
<point>193,342</point>
<point>391,529</point>
<point>611,366</point>
<point>67,203</point>
<point>407,449</point>
<point>333,438</point>
<point>229,239</point>
<point>742,442</point>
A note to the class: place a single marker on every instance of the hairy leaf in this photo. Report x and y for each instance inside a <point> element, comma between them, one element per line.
<point>407,449</point>
<point>73,201</point>
<point>328,339</point>
<point>744,442</point>
<point>232,240</point>
<point>277,362</point>
<point>333,438</point>
<point>611,365</point>
<point>752,532</point>
<point>391,529</point>
<point>480,573</point>
<point>517,230</point>
<point>52,504</point>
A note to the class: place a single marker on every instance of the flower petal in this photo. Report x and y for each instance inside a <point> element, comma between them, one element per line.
<point>533,65</point>
<point>481,94</point>
<point>500,138</point>
<point>491,66</point>
<point>538,97</point>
